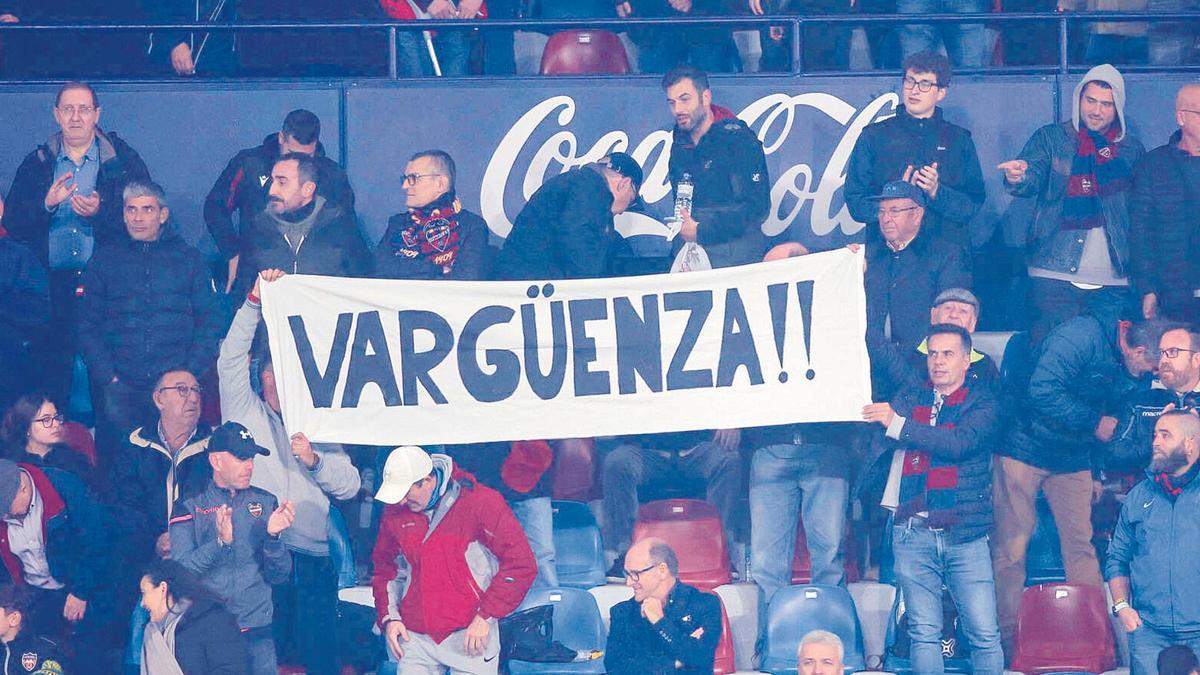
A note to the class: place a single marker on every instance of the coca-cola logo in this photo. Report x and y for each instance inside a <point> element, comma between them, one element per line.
<point>814,182</point>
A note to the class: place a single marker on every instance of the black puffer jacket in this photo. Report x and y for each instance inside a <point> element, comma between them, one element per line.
<point>25,215</point>
<point>25,288</point>
<point>208,642</point>
<point>1163,242</point>
<point>147,306</point>
<point>903,285</point>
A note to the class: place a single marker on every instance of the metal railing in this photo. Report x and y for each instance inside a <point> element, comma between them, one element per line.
<point>1068,25</point>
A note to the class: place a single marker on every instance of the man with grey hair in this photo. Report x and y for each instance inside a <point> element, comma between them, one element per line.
<point>668,626</point>
<point>147,306</point>
<point>820,653</point>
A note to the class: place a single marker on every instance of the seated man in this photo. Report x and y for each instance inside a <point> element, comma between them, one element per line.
<point>640,461</point>
<point>37,653</point>
<point>668,626</point>
<point>821,653</point>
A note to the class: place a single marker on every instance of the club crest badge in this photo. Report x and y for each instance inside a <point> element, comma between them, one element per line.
<point>437,233</point>
<point>255,509</point>
<point>29,661</point>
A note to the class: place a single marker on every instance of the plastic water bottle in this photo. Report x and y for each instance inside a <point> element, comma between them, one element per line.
<point>684,190</point>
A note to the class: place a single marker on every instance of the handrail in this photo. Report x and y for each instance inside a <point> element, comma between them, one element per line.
<point>1063,20</point>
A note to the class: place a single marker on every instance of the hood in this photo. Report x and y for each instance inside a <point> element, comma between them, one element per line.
<point>270,146</point>
<point>1112,77</point>
<point>721,114</point>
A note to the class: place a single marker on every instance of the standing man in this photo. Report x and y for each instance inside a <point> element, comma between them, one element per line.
<point>1151,565</point>
<point>228,535</point>
<point>465,566</point>
<point>296,472</point>
<point>1163,206</point>
<point>919,146</point>
<point>65,201</point>
<point>565,231</point>
<point>1177,385</point>
<point>243,187</point>
<point>436,238</point>
<point>1078,173</point>
<point>1082,370</point>
<point>724,161</point>
<point>668,626</point>
<point>939,445</point>
<point>148,305</point>
<point>301,231</point>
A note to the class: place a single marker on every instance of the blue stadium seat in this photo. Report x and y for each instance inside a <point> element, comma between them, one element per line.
<point>577,625</point>
<point>1043,559</point>
<point>796,610</point>
<point>902,665</point>
<point>578,551</point>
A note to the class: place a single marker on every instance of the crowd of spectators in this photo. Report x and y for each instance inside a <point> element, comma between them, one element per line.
<point>349,52</point>
<point>195,493</point>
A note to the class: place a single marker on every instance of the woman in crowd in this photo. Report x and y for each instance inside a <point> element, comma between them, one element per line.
<point>33,432</point>
<point>190,631</point>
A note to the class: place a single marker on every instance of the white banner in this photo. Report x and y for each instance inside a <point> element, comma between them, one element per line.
<point>427,362</point>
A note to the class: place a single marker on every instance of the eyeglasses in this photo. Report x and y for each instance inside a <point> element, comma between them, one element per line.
<point>184,391</point>
<point>48,421</point>
<point>1172,352</point>
<point>412,178</point>
<point>637,574</point>
<point>919,85</point>
<point>893,212</point>
<point>83,110</point>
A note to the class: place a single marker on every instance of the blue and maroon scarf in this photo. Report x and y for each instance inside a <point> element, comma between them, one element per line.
<point>927,483</point>
<point>1096,172</point>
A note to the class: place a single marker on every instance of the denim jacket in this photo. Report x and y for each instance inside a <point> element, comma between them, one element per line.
<point>1049,153</point>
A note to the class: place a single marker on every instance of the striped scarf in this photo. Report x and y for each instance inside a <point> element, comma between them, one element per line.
<point>1096,172</point>
<point>929,484</point>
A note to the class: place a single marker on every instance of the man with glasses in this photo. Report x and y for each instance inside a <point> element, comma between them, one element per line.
<point>65,201</point>
<point>909,269</point>
<point>436,238</point>
<point>147,305</point>
<point>160,464</point>
<point>242,188</point>
<point>1177,386</point>
<point>920,146</point>
<point>1163,208</point>
<point>668,626</point>
<point>301,231</point>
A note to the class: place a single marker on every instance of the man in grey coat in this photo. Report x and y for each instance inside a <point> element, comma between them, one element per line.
<point>296,471</point>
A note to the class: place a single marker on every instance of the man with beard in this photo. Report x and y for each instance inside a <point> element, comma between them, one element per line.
<point>1151,569</point>
<point>1177,386</point>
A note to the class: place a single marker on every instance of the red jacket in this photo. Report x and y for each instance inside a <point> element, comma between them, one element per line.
<point>451,576</point>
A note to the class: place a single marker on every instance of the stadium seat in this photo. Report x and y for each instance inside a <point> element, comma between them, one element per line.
<point>796,610</point>
<point>724,663</point>
<point>1043,558</point>
<point>693,528</point>
<point>902,665</point>
<point>577,625</point>
<point>579,553</point>
<point>79,439</point>
<point>1064,628</point>
<point>584,52</point>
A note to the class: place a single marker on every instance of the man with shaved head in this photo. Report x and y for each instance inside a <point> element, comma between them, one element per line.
<point>1163,209</point>
<point>668,626</point>
<point>1151,568</point>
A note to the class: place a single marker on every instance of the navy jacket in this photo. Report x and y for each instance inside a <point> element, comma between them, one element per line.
<point>885,149</point>
<point>75,529</point>
<point>25,215</point>
<point>1078,377</point>
<point>904,284</point>
<point>1129,450</point>
<point>968,444</point>
<point>24,311</point>
<point>43,653</point>
<point>393,260</point>
<point>1157,545</point>
<point>208,642</point>
<point>688,633</point>
<point>148,306</point>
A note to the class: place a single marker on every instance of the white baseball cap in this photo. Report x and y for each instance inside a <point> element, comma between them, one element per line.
<point>405,465</point>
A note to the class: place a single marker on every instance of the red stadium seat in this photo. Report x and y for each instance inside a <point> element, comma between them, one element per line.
<point>584,52</point>
<point>801,563</point>
<point>1064,628</point>
<point>724,663</point>
<point>693,528</point>
<point>79,439</point>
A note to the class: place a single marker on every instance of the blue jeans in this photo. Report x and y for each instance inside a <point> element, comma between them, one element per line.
<point>925,561</point>
<point>1145,643</point>
<point>412,53</point>
<point>785,483</point>
<point>537,519</point>
<point>970,44</point>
